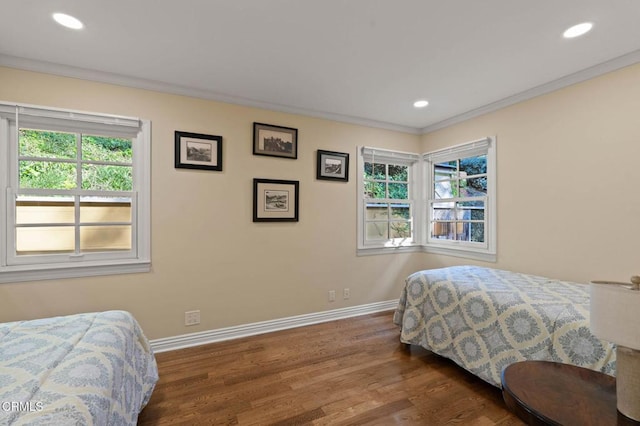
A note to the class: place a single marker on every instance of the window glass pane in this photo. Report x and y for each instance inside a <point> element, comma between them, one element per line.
<point>107,178</point>
<point>398,173</point>
<point>39,143</point>
<point>97,210</point>
<point>474,165</point>
<point>375,171</point>
<point>476,187</point>
<point>368,170</point>
<point>444,214</point>
<point>446,189</point>
<point>400,211</point>
<point>470,231</point>
<point>47,175</point>
<point>377,231</point>
<point>470,213</point>
<point>462,231</point>
<point>105,238</point>
<point>43,210</point>
<point>400,229</point>
<point>399,191</point>
<point>380,171</point>
<point>477,214</point>
<point>375,190</point>
<point>444,174</point>
<point>477,232</point>
<point>45,240</point>
<point>101,148</point>
<point>377,211</point>
<point>442,230</point>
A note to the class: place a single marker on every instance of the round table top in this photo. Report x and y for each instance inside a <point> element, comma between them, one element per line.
<point>552,393</point>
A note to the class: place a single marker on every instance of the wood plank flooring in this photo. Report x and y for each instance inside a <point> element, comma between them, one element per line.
<point>347,372</point>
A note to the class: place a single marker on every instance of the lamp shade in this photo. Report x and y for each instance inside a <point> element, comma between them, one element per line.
<point>615,310</point>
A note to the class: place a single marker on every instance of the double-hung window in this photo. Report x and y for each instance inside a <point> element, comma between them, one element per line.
<point>441,202</point>
<point>387,199</point>
<point>76,193</point>
<point>460,202</point>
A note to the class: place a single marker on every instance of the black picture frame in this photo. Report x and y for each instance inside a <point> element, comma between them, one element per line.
<point>275,141</point>
<point>198,151</point>
<point>332,165</point>
<point>275,200</point>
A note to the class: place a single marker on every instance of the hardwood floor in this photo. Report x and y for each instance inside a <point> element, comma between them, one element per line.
<point>348,372</point>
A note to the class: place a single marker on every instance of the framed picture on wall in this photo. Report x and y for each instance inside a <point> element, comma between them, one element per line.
<point>198,151</point>
<point>332,165</point>
<point>275,141</point>
<point>275,200</point>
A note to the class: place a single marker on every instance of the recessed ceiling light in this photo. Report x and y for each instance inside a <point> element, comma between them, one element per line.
<point>68,21</point>
<point>421,103</point>
<point>578,30</point>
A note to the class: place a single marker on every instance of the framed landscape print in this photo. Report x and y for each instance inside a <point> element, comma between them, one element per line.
<point>275,200</point>
<point>198,151</point>
<point>275,141</point>
<point>332,166</point>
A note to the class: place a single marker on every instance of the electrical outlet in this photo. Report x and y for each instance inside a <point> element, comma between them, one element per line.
<point>332,295</point>
<point>346,293</point>
<point>192,317</point>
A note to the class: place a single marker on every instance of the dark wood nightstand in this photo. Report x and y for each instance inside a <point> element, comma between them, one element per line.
<point>550,393</point>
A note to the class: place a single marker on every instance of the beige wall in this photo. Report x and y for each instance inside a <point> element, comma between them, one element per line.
<point>568,179</point>
<point>207,253</point>
<point>568,205</point>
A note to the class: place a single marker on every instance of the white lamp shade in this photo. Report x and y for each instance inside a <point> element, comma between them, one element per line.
<point>615,313</point>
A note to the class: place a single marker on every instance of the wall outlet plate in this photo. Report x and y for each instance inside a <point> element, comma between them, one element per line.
<point>192,317</point>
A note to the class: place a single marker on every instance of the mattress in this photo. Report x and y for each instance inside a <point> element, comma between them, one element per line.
<point>485,319</point>
<point>85,369</point>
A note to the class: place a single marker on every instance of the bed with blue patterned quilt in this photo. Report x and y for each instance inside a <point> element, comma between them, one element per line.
<point>485,319</point>
<point>84,369</point>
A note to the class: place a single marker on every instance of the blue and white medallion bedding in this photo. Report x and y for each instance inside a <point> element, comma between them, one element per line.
<point>85,369</point>
<point>485,319</point>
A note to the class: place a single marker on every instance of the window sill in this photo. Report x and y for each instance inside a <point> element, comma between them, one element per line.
<point>484,256</point>
<point>12,274</point>
<point>371,251</point>
<point>457,252</point>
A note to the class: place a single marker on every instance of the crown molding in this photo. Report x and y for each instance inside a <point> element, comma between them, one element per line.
<point>158,86</point>
<point>631,58</point>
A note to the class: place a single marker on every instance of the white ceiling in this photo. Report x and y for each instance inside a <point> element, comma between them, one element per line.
<point>363,61</point>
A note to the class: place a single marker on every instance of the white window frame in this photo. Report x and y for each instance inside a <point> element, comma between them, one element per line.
<point>421,170</point>
<point>384,156</point>
<point>485,251</point>
<point>30,268</point>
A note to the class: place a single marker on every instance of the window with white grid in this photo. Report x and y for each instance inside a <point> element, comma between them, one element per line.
<point>441,202</point>
<point>76,193</point>
<point>460,201</point>
<point>387,200</point>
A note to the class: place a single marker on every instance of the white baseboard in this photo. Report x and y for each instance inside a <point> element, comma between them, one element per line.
<point>235,332</point>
